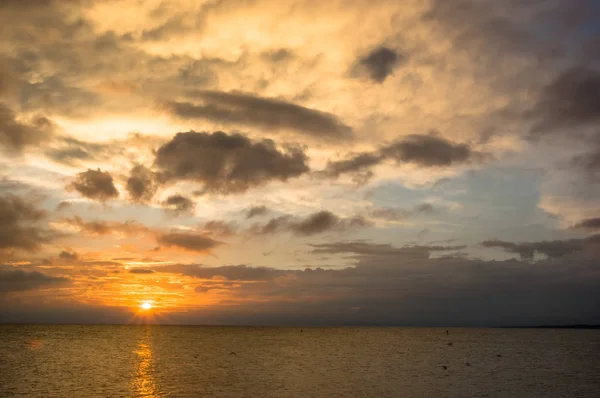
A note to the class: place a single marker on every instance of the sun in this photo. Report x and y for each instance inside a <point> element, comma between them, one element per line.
<point>146,305</point>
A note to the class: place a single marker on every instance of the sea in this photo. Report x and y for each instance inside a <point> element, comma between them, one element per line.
<point>210,361</point>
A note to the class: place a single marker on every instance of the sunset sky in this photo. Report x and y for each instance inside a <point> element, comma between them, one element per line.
<point>300,162</point>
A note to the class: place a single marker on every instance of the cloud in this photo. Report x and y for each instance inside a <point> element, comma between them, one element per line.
<point>403,286</point>
<point>379,63</point>
<point>141,184</point>
<point>72,151</point>
<point>178,204</point>
<point>256,211</point>
<point>422,150</point>
<point>227,163</point>
<point>98,227</point>
<point>249,110</point>
<point>279,55</point>
<point>315,223</point>
<point>141,271</point>
<point>223,273</point>
<point>363,248</point>
<point>589,163</point>
<point>589,223</point>
<point>219,228</point>
<point>571,100</point>
<point>428,151</point>
<point>187,241</point>
<point>551,249</point>
<point>15,135</point>
<point>172,26</point>
<point>392,214</point>
<point>95,184</point>
<point>426,208</point>
<point>19,225</point>
<point>68,256</point>
<point>357,163</point>
<point>17,280</point>
<point>323,221</point>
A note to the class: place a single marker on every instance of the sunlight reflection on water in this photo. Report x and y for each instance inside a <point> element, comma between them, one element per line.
<point>144,381</point>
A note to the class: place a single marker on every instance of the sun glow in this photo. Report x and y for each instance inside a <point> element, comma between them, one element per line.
<point>146,305</point>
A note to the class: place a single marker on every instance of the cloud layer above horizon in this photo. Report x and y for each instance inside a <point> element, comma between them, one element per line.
<point>365,162</point>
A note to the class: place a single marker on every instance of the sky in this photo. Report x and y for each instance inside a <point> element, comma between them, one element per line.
<point>300,162</point>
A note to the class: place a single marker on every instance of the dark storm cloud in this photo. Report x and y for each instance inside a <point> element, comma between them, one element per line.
<point>552,249</point>
<point>16,280</point>
<point>141,184</point>
<point>248,110</point>
<point>256,211</point>
<point>188,241</point>
<point>95,184</point>
<point>424,150</point>
<point>141,271</point>
<point>19,225</point>
<point>589,223</point>
<point>316,223</point>
<point>571,100</point>
<point>227,163</point>
<point>16,135</point>
<point>380,63</point>
<point>178,204</point>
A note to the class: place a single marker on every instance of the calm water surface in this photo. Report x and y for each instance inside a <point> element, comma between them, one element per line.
<point>179,361</point>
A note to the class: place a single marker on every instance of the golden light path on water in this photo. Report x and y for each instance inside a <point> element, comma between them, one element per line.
<point>144,382</point>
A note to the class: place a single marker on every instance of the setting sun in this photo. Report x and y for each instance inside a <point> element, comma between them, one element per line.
<point>146,305</point>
